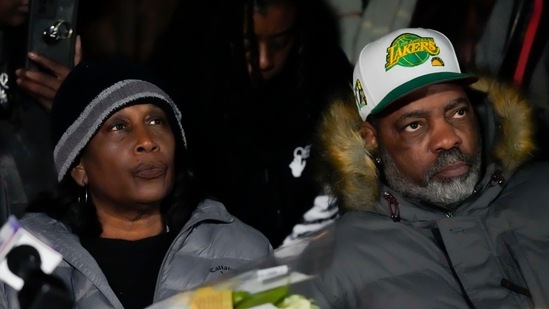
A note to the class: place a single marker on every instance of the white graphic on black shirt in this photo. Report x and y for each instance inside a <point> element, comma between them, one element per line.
<point>301,154</point>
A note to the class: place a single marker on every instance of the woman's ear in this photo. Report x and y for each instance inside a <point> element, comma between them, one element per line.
<point>369,134</point>
<point>79,175</point>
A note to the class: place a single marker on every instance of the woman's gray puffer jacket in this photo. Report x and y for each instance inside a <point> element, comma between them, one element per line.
<point>211,244</point>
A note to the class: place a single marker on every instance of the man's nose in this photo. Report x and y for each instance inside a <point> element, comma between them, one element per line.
<point>444,136</point>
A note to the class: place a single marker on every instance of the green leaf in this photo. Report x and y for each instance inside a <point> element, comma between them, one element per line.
<point>266,297</point>
<point>238,296</point>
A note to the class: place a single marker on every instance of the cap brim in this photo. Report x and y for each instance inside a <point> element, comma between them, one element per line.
<point>420,82</point>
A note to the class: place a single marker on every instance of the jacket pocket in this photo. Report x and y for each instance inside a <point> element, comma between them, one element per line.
<point>527,265</point>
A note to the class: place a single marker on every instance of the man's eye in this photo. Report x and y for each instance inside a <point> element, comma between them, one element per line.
<point>414,126</point>
<point>460,113</point>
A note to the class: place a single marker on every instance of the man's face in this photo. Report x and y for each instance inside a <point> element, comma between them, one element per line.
<point>13,13</point>
<point>430,147</point>
<point>274,32</point>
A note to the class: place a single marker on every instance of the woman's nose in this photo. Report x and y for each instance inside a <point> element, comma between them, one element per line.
<point>145,141</point>
<point>265,57</point>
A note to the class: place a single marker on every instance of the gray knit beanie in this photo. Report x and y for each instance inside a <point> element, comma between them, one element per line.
<point>92,92</point>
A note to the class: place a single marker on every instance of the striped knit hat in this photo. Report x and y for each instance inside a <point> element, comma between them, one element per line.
<point>92,92</point>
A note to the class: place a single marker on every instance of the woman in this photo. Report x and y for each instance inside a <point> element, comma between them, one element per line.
<point>129,225</point>
<point>257,75</point>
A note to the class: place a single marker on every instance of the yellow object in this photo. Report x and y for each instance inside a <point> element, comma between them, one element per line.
<point>208,298</point>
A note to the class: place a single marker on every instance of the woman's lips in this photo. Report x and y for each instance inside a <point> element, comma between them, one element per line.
<point>453,170</point>
<point>150,170</point>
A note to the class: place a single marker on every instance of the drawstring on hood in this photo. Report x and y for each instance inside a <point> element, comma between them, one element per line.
<point>393,206</point>
<point>497,178</point>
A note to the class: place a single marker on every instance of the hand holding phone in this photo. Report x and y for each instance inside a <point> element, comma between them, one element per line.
<point>52,31</point>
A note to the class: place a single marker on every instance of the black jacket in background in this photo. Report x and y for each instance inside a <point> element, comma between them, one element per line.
<point>241,137</point>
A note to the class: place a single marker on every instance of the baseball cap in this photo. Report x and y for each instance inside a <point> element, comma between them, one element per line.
<point>401,62</point>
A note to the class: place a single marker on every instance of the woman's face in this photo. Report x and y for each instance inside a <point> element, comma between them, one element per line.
<point>275,34</point>
<point>129,163</point>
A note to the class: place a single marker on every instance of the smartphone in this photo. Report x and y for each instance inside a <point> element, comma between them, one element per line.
<point>52,31</point>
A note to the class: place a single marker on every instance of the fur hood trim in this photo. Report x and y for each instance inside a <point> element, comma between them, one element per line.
<point>351,173</point>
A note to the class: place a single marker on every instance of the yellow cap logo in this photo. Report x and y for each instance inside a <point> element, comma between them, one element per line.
<point>410,50</point>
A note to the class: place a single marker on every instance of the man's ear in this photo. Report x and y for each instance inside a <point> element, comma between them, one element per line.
<point>79,175</point>
<point>369,134</point>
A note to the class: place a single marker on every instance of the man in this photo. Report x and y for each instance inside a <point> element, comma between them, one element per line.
<point>442,209</point>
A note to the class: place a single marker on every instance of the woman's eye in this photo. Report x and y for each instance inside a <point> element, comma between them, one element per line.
<point>118,126</point>
<point>279,43</point>
<point>157,121</point>
<point>412,127</point>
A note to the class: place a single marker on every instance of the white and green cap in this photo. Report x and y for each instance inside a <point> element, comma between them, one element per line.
<point>401,62</point>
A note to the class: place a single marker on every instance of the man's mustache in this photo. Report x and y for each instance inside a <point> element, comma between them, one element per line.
<point>447,157</point>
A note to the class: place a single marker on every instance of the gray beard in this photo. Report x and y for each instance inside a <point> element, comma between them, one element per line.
<point>443,192</point>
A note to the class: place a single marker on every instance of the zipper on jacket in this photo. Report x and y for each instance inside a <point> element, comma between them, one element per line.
<point>440,242</point>
<point>511,286</point>
<point>393,206</point>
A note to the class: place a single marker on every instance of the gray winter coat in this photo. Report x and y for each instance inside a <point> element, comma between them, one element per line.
<point>390,252</point>
<point>211,244</point>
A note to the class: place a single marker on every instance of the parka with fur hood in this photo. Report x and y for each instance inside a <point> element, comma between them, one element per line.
<point>388,251</point>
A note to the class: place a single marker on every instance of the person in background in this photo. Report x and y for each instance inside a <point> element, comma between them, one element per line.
<point>363,21</point>
<point>25,101</point>
<point>257,75</point>
<point>123,28</point>
<point>130,224</point>
<point>444,205</point>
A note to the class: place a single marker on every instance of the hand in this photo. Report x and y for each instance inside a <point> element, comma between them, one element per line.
<point>40,85</point>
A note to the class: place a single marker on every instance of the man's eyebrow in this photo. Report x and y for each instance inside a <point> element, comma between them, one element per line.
<point>452,104</point>
<point>422,113</point>
<point>414,114</point>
